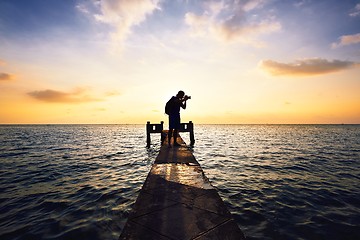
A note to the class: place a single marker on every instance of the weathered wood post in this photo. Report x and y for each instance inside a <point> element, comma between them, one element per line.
<point>188,127</point>
<point>191,129</point>
<point>159,128</point>
<point>153,128</point>
<point>148,139</point>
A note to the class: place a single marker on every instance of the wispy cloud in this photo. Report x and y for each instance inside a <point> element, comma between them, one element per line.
<point>300,3</point>
<point>305,67</point>
<point>79,95</point>
<point>232,21</point>
<point>112,93</point>
<point>356,11</point>
<point>347,40</point>
<point>6,77</point>
<point>81,7</point>
<point>121,15</point>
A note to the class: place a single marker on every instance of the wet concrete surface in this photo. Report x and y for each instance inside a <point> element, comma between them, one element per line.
<point>177,201</point>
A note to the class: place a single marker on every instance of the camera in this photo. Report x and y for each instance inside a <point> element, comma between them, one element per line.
<point>187,97</point>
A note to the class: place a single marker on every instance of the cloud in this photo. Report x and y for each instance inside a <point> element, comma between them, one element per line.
<point>232,21</point>
<point>112,93</point>
<point>81,7</point>
<point>199,24</point>
<point>122,15</point>
<point>301,3</point>
<point>347,40</point>
<point>305,67</point>
<point>356,11</point>
<point>251,4</point>
<point>79,95</point>
<point>231,30</point>
<point>6,77</point>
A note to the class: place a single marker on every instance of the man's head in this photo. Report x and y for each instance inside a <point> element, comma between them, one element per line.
<point>180,94</point>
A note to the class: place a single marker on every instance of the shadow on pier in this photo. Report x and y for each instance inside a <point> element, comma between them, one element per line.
<point>177,201</point>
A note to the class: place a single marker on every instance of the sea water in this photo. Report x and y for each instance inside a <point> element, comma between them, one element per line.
<point>278,181</point>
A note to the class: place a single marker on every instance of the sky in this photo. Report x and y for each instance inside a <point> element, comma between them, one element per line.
<point>119,61</point>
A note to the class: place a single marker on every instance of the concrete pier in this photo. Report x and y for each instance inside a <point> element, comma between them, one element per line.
<point>178,202</point>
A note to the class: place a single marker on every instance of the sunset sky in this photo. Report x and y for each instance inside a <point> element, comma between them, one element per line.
<point>119,61</point>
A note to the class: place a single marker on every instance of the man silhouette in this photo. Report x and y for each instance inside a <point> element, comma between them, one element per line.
<point>174,115</point>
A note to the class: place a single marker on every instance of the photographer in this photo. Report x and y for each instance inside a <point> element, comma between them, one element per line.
<point>174,115</point>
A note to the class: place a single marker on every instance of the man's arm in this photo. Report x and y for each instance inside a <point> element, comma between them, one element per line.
<point>183,104</point>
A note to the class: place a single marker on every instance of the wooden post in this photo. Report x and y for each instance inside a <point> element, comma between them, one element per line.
<point>162,137</point>
<point>158,128</point>
<point>148,139</point>
<point>191,130</point>
<point>154,128</point>
<point>188,127</point>
<point>163,133</point>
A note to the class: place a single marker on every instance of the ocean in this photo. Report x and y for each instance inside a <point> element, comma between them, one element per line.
<point>278,181</point>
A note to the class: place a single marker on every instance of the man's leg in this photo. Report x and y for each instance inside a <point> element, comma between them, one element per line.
<point>176,132</point>
<point>169,136</point>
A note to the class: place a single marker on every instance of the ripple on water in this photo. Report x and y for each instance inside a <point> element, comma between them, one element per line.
<point>279,181</point>
<point>287,181</point>
<point>70,181</point>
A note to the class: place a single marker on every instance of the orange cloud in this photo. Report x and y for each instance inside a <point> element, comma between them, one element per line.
<point>6,77</point>
<point>305,67</point>
<point>54,96</point>
<point>347,40</point>
<point>230,30</point>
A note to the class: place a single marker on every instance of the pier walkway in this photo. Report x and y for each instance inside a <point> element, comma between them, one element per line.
<point>178,202</point>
